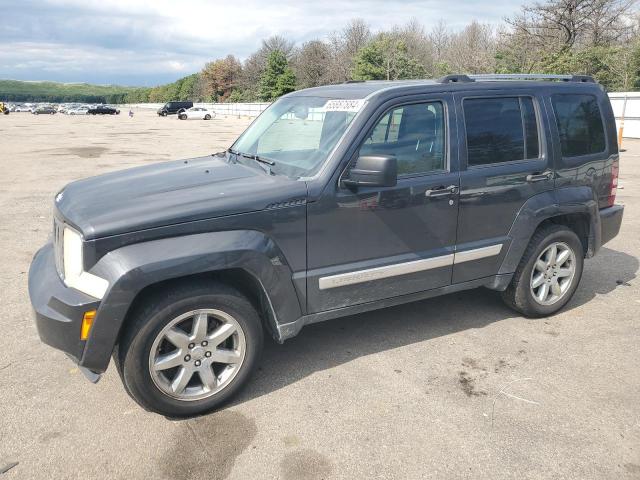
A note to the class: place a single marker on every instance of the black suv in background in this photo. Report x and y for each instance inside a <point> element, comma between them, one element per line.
<point>171,108</point>
<point>337,200</point>
<point>103,110</point>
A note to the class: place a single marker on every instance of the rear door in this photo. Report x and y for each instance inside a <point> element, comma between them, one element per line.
<point>505,161</point>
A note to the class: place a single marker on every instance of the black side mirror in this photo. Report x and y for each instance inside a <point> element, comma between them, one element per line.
<point>373,171</point>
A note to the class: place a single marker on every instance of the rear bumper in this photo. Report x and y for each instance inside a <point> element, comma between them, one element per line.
<point>610,221</point>
<point>58,309</point>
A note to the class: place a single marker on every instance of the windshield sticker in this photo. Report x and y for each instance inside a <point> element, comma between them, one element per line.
<point>344,105</point>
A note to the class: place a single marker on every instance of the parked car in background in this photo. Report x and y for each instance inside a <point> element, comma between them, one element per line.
<point>103,110</point>
<point>196,113</point>
<point>337,200</point>
<point>78,111</point>
<point>22,108</point>
<point>171,108</point>
<point>44,110</point>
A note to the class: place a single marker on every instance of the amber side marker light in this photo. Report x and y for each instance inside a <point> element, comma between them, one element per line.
<point>87,323</point>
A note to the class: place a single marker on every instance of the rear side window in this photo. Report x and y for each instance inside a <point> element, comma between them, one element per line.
<point>579,124</point>
<point>501,129</point>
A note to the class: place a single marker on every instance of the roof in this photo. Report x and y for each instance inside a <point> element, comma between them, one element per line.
<point>356,89</point>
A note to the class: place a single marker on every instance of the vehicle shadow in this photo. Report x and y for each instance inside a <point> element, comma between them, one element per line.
<point>326,345</point>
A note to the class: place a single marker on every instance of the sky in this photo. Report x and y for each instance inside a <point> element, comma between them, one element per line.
<point>150,42</point>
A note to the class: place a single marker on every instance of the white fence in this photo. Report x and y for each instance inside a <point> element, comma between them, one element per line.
<point>229,109</point>
<point>626,108</point>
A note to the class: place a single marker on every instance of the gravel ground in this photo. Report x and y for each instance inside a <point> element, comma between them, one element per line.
<point>453,387</point>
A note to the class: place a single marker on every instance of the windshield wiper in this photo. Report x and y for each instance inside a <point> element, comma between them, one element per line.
<point>262,160</point>
<point>257,158</point>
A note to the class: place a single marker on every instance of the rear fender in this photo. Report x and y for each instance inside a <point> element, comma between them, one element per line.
<point>546,205</point>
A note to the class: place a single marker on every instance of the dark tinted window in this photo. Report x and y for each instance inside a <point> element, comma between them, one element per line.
<point>579,124</point>
<point>414,134</point>
<point>500,130</point>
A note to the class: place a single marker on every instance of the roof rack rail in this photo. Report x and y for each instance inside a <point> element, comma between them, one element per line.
<point>457,78</point>
<point>532,76</point>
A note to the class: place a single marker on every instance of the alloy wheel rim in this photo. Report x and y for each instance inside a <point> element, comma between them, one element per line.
<point>553,273</point>
<point>197,354</point>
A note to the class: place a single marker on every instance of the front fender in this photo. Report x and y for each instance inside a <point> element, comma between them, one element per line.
<point>132,268</point>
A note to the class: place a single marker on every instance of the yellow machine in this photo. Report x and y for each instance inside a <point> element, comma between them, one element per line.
<point>4,109</point>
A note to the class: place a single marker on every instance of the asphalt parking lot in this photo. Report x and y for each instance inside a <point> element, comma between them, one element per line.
<point>453,387</point>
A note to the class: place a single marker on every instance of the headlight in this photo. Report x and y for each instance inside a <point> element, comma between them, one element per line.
<point>73,270</point>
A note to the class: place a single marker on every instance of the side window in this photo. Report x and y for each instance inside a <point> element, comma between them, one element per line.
<point>579,124</point>
<point>414,134</point>
<point>500,130</point>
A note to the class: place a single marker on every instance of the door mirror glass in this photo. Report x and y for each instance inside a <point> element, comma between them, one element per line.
<point>373,171</point>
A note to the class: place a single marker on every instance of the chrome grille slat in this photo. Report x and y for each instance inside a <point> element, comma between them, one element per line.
<point>58,230</point>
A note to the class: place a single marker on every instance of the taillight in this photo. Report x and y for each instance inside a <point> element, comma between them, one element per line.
<point>613,188</point>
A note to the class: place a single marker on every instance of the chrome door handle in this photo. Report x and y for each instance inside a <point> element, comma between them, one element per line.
<point>539,177</point>
<point>441,191</point>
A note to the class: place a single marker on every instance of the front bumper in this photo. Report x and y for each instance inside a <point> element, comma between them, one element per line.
<point>58,309</point>
<point>610,221</point>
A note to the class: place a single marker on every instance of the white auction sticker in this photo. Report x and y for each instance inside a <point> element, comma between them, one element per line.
<point>344,105</point>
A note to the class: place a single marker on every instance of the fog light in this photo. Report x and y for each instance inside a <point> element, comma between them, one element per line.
<point>87,323</point>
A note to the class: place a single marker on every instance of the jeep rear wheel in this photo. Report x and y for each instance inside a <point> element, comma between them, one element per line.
<point>191,350</point>
<point>548,274</point>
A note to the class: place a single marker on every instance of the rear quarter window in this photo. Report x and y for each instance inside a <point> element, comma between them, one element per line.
<point>579,124</point>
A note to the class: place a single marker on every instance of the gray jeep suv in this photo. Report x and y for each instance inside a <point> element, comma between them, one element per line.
<point>336,200</point>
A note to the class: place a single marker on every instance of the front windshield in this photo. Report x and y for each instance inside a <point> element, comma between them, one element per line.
<point>298,133</point>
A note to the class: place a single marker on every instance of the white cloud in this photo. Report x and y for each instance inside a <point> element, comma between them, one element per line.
<point>152,41</point>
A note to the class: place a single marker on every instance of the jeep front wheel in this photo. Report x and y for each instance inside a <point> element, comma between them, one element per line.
<point>191,351</point>
<point>548,274</point>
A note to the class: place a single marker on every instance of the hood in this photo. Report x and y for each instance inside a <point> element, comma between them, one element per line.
<point>168,193</point>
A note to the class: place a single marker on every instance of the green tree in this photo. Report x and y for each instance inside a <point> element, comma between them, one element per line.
<point>278,78</point>
<point>187,88</point>
<point>386,58</point>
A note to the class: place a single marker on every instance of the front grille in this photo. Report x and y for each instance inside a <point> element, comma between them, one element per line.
<point>58,245</point>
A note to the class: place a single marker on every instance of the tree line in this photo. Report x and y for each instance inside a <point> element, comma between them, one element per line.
<point>19,91</point>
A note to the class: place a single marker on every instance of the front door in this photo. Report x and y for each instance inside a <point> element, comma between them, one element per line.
<point>371,243</point>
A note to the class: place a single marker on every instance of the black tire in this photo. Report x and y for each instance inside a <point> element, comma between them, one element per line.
<point>132,353</point>
<point>163,114</point>
<point>182,117</point>
<point>518,294</point>
<point>207,117</point>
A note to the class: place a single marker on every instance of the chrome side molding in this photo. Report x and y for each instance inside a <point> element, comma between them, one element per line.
<point>404,268</point>
<point>477,253</point>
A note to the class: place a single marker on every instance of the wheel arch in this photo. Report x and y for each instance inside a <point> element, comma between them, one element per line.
<point>239,279</point>
<point>247,260</point>
<point>574,207</point>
